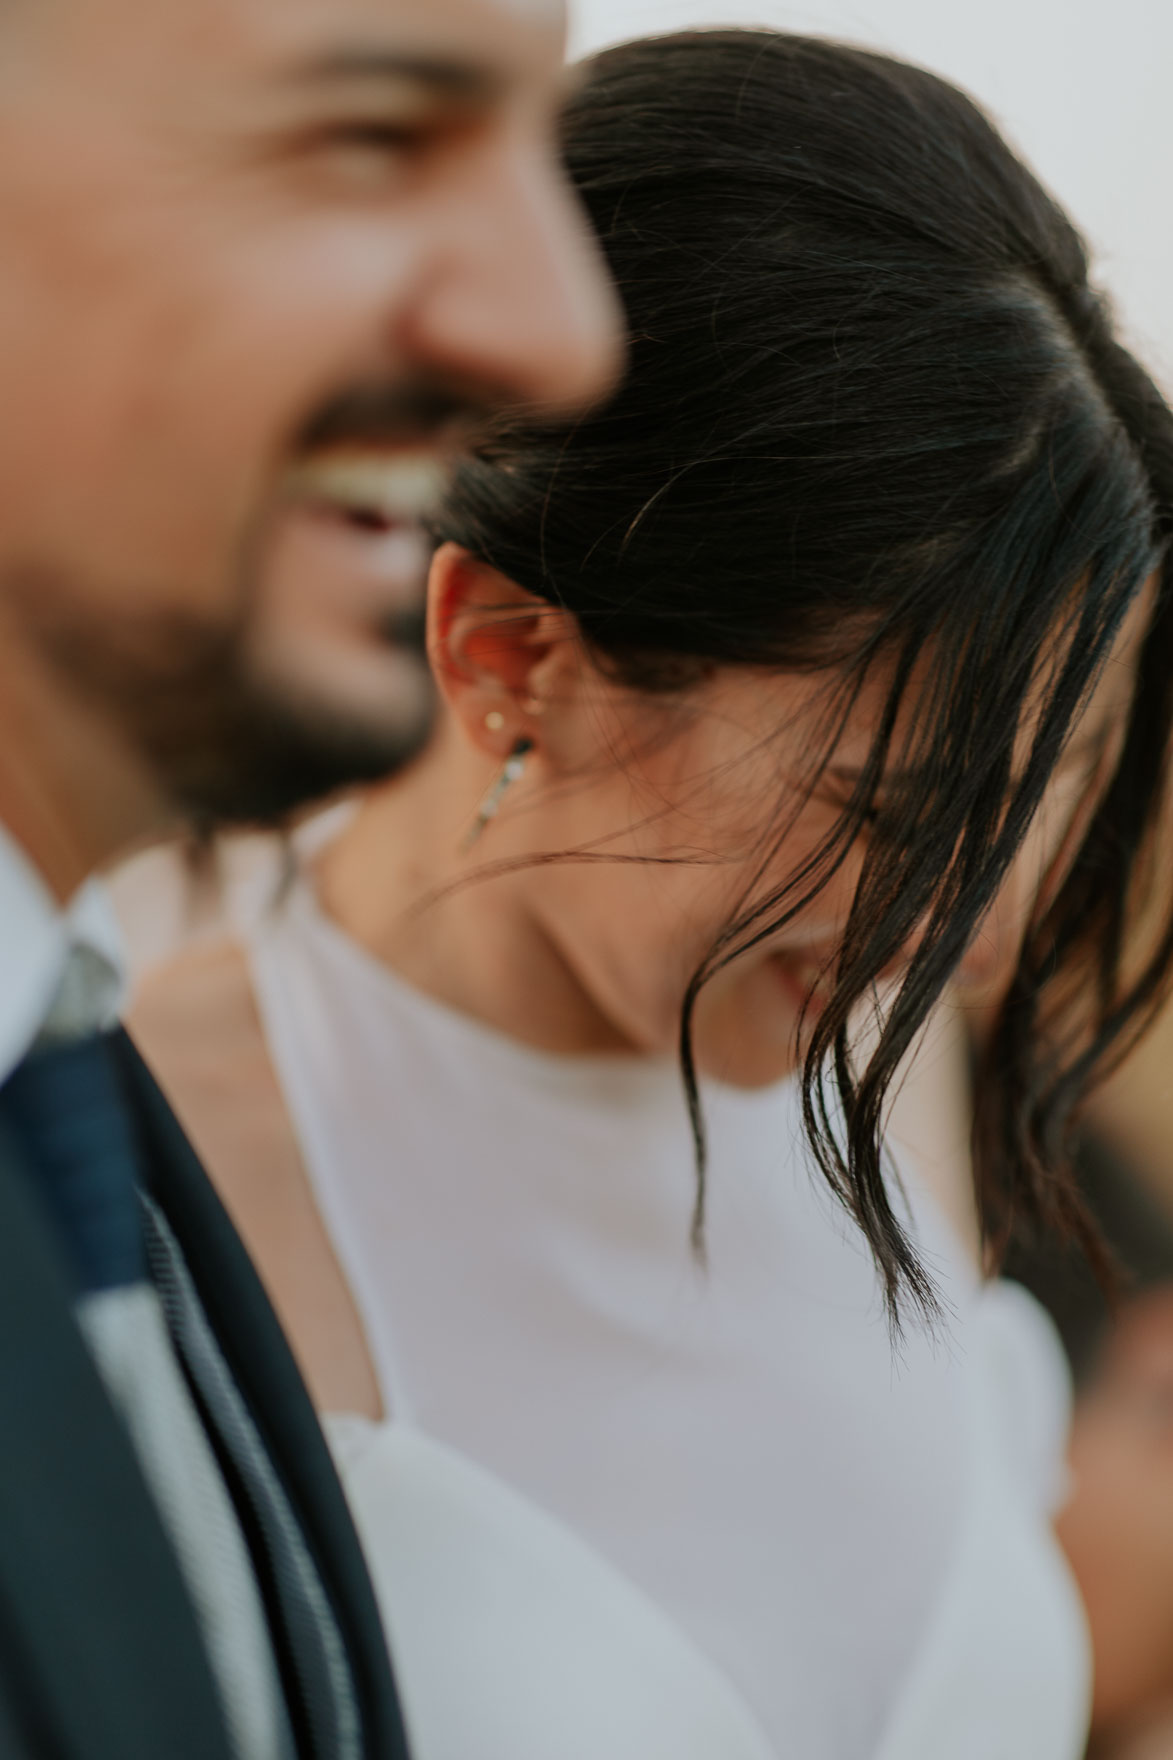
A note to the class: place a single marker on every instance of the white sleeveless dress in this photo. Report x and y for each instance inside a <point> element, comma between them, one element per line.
<point>515,1641</point>
<point>624,1510</point>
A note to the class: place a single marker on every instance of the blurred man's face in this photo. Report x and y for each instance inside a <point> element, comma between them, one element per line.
<point>262,259</point>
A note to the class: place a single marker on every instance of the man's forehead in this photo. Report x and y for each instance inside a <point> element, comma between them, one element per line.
<point>460,31</point>
<point>506,38</point>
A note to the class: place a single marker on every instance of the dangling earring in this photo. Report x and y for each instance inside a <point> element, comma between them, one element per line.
<point>510,773</point>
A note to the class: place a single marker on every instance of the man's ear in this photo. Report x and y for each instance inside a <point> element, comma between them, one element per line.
<point>497,651</point>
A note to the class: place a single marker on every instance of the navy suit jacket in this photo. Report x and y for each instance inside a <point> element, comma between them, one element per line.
<point>100,1655</point>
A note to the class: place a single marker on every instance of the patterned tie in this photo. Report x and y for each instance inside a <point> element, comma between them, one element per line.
<point>66,1108</point>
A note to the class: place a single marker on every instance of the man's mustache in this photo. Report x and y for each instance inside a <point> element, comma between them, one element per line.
<point>395,413</point>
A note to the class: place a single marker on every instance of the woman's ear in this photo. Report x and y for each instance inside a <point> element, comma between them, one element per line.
<point>498,652</point>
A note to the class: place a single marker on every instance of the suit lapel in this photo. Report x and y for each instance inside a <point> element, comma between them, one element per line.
<point>261,1363</point>
<point>98,1640</point>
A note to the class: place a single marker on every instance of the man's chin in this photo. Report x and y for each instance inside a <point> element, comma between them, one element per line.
<point>266,754</point>
<point>236,725</point>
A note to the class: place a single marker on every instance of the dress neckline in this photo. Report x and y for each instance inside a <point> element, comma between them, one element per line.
<point>594,1077</point>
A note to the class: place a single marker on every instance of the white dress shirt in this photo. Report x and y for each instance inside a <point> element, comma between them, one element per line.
<point>36,939</point>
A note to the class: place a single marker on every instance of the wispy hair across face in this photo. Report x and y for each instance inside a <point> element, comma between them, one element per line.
<point>875,413</point>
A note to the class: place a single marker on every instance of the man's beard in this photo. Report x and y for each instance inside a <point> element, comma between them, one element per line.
<point>226,743</point>
<point>235,749</point>
<point>226,738</point>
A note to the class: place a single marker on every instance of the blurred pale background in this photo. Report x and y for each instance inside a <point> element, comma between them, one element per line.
<point>1080,86</point>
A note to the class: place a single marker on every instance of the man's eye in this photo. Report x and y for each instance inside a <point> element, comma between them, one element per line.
<point>366,151</point>
<point>385,137</point>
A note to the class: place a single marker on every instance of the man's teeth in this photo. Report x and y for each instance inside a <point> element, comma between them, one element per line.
<point>407,488</point>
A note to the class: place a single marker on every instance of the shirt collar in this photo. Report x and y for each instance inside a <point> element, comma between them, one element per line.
<point>37,939</point>
<point>91,991</point>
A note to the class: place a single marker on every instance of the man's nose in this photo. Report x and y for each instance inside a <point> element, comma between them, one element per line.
<point>521,302</point>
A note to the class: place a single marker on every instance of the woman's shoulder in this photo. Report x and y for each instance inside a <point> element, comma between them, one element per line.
<point>184,897</point>
<point>193,894</point>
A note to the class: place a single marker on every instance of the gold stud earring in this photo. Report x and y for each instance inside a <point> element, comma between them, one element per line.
<point>494,721</point>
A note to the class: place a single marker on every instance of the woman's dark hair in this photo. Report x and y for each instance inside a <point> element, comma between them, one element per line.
<point>875,417</point>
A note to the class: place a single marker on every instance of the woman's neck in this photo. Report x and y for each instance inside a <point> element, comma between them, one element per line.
<point>398,881</point>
